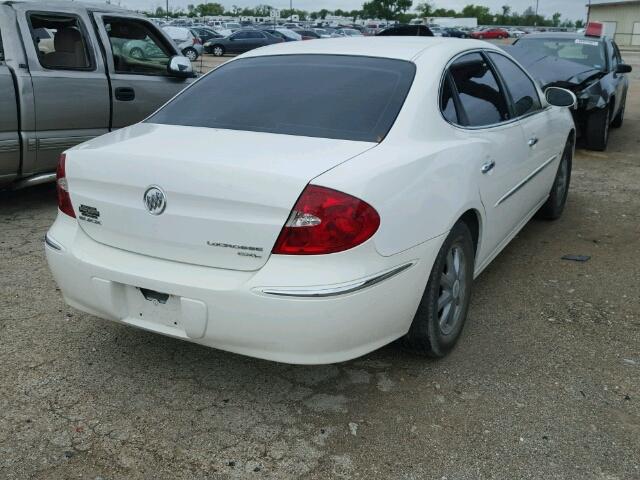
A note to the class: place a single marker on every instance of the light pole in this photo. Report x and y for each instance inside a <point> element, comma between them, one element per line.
<point>166,12</point>
<point>290,10</point>
<point>536,20</point>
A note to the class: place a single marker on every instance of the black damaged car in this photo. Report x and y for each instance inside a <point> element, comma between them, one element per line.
<point>591,67</point>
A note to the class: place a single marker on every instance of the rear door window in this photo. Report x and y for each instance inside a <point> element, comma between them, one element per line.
<point>327,96</point>
<point>523,92</point>
<point>60,41</point>
<point>480,94</point>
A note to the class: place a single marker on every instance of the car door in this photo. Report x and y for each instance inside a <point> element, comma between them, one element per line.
<point>240,42</point>
<point>139,85</point>
<point>68,78</point>
<point>9,141</point>
<point>500,152</point>
<point>542,136</point>
<point>620,80</point>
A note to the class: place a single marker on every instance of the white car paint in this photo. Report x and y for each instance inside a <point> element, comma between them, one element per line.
<point>421,179</point>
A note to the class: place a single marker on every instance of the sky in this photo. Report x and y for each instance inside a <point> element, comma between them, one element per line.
<point>570,9</point>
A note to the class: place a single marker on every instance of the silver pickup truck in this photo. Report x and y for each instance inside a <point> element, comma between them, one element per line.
<point>70,72</point>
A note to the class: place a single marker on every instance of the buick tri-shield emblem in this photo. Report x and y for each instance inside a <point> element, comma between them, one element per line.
<point>155,200</point>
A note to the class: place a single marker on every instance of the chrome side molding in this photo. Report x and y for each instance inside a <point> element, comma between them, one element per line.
<point>526,180</point>
<point>34,180</point>
<point>334,290</point>
<point>52,243</point>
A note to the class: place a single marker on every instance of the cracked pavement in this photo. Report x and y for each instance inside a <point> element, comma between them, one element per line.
<point>545,382</point>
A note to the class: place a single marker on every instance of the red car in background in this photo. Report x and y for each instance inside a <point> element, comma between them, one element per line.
<point>490,33</point>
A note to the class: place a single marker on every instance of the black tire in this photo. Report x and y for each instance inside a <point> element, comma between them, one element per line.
<point>619,118</point>
<point>554,206</point>
<point>190,53</point>
<point>428,336</point>
<point>597,129</point>
<point>217,50</point>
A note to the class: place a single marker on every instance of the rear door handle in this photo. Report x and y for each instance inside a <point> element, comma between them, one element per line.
<point>532,141</point>
<point>487,167</point>
<point>125,94</point>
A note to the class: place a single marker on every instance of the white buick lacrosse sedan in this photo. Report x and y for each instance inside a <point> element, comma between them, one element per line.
<point>310,202</point>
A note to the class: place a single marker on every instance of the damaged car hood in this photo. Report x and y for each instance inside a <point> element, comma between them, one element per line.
<point>553,71</point>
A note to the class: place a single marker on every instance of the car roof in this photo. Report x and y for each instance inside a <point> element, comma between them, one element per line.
<point>401,48</point>
<point>564,35</point>
<point>47,4</point>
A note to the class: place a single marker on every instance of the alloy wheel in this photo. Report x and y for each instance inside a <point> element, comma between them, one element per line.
<point>453,288</point>
<point>563,178</point>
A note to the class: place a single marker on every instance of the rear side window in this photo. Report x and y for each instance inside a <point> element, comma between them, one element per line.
<point>480,95</point>
<point>447,102</point>
<point>60,41</point>
<point>523,91</point>
<point>327,96</point>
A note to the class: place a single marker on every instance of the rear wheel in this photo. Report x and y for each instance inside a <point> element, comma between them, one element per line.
<point>218,50</point>
<point>597,131</point>
<point>619,118</point>
<point>443,309</point>
<point>191,54</point>
<point>554,206</point>
<point>500,37</point>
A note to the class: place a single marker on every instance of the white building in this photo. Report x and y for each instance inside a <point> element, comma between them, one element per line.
<point>621,19</point>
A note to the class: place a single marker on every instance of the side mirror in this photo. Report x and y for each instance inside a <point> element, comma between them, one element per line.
<point>560,97</point>
<point>623,68</point>
<point>180,67</point>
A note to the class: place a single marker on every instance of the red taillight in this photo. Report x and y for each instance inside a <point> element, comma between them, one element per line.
<point>594,29</point>
<point>326,221</point>
<point>64,200</point>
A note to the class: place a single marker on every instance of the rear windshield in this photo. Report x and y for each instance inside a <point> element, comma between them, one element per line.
<point>327,96</point>
<point>581,50</point>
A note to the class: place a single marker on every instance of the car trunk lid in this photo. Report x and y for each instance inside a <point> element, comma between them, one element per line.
<point>228,193</point>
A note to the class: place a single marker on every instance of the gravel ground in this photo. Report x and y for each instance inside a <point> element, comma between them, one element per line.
<point>545,382</point>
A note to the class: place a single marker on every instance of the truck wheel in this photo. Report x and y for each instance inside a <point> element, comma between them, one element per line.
<point>619,118</point>
<point>191,54</point>
<point>597,131</point>
<point>443,309</point>
<point>218,50</point>
<point>553,207</point>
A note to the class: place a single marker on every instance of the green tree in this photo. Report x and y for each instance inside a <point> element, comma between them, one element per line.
<point>579,23</point>
<point>209,9</point>
<point>483,14</point>
<point>443,12</point>
<point>425,9</point>
<point>387,9</point>
<point>555,18</point>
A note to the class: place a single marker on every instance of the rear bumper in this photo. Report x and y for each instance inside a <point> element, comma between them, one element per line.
<point>306,310</point>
